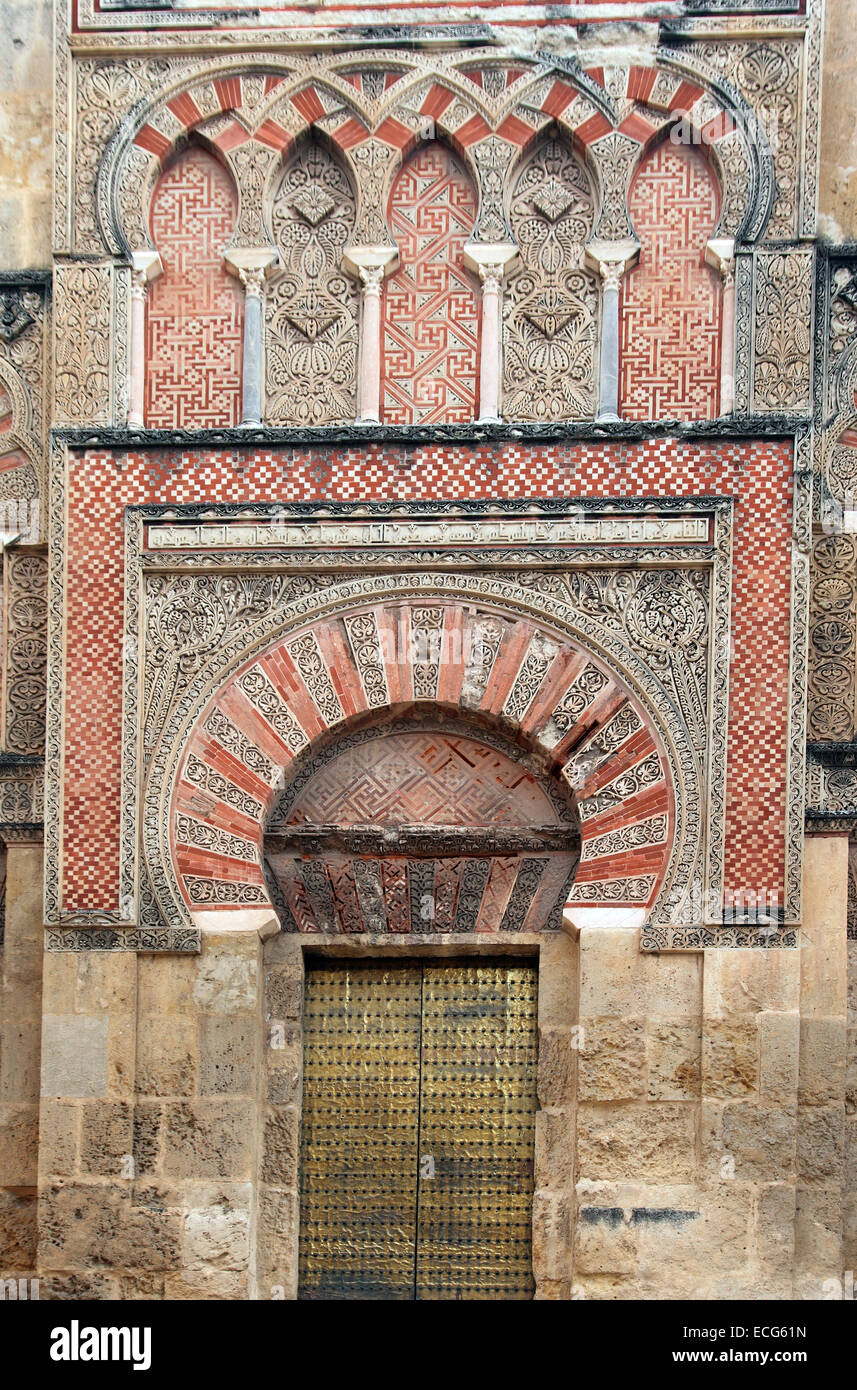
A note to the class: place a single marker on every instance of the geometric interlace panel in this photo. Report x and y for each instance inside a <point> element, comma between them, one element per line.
<point>670,309</point>
<point>430,312</point>
<point>194,323</point>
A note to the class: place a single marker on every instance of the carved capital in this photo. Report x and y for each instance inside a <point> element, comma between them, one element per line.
<point>611,273</point>
<point>139,285</point>
<point>610,259</point>
<point>371,278</point>
<point>492,278</point>
<point>720,255</point>
<point>491,261</point>
<point>145,267</point>
<point>368,259</point>
<point>253,282</point>
<point>249,260</point>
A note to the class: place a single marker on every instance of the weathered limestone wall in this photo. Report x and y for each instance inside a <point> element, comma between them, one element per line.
<point>687,1104</point>
<point>26,125</point>
<point>20,1042</point>
<point>849,1212</point>
<point>838,175</point>
<point>696,1137</point>
<point>821,1092</point>
<point>711,1119</point>
<point>149,1122</point>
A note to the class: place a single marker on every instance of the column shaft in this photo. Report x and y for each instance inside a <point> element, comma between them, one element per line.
<point>137,356</point>
<point>370,347</point>
<point>251,375</point>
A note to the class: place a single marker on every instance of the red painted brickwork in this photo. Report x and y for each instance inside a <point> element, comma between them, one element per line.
<point>100,485</point>
<point>194,321</point>
<point>430,313</point>
<point>670,303</point>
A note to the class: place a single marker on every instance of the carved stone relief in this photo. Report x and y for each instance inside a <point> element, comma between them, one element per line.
<point>832,695</point>
<point>25,574</point>
<point>782,349</point>
<point>83,320</point>
<point>24,357</point>
<point>311,304</point>
<point>550,305</point>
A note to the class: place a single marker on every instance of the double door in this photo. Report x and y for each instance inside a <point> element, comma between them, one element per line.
<point>417,1131</point>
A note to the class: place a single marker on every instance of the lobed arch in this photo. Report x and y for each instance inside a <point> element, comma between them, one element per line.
<point>488,132</point>
<point>18,425</point>
<point>498,663</point>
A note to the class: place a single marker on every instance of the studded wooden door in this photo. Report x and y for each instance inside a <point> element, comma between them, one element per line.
<point>418,1130</point>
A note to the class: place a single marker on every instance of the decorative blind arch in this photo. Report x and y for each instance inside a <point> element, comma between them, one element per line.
<point>194,326</point>
<point>550,304</point>
<point>430,316</point>
<point>671,302</point>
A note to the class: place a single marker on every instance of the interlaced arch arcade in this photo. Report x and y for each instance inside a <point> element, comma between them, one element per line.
<point>429,655</point>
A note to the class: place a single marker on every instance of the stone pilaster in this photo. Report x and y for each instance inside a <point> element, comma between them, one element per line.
<point>720,254</point>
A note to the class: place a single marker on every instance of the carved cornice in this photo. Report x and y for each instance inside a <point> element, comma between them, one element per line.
<point>748,427</point>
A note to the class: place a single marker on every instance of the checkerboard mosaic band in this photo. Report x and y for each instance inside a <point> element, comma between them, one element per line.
<point>100,485</point>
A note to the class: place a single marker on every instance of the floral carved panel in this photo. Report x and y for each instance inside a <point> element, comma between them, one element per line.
<point>833,639</point>
<point>311,306</point>
<point>551,302</point>
<point>24,650</point>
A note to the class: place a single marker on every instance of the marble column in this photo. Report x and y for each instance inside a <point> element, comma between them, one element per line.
<point>370,264</point>
<point>608,376</point>
<point>610,260</point>
<point>251,370</point>
<point>490,261</point>
<point>250,264</point>
<point>720,254</point>
<point>371,278</point>
<point>145,267</point>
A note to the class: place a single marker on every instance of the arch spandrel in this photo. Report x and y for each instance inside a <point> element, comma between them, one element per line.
<point>566,708</point>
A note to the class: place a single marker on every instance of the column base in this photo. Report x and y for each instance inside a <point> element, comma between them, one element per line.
<point>607,418</point>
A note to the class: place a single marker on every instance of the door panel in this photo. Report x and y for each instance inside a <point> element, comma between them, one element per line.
<point>477,1124</point>
<point>418,1131</point>
<point>359,1131</point>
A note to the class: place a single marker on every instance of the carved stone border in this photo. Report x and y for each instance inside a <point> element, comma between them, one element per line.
<point>214,672</point>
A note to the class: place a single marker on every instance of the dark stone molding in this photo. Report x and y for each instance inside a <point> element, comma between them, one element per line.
<point>833,753</point>
<point>31,279</point>
<point>746,427</point>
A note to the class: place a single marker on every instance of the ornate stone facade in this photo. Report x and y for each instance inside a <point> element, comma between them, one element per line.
<point>427,472</point>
